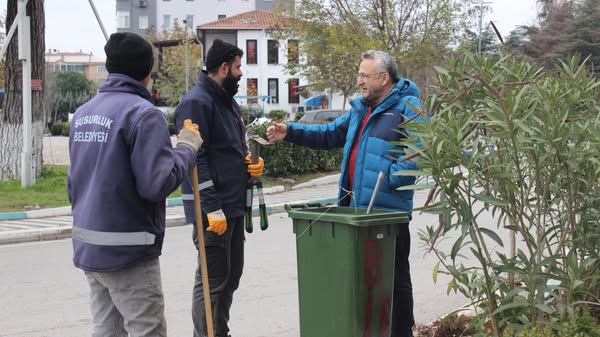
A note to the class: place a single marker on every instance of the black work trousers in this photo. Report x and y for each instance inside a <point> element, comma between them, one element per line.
<point>403,317</point>
<point>225,262</point>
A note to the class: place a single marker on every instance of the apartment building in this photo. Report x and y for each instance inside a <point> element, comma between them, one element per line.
<point>266,82</point>
<point>89,65</point>
<point>245,23</point>
<point>138,16</point>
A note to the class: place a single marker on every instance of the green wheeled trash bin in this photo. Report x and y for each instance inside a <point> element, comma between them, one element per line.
<point>345,261</point>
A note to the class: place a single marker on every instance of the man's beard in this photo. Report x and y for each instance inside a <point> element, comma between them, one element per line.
<point>230,84</point>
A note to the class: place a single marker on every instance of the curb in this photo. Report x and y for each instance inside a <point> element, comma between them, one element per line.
<point>37,234</point>
<point>330,179</point>
<point>40,213</point>
<point>63,232</point>
<point>66,210</point>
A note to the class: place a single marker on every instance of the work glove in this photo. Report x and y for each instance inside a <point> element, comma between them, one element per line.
<point>255,170</point>
<point>190,136</point>
<point>217,222</point>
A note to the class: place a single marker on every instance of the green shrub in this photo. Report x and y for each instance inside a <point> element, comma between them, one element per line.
<point>66,128</point>
<point>283,158</point>
<point>172,128</point>
<point>278,115</point>
<point>171,123</point>
<point>584,325</point>
<point>298,115</point>
<point>505,137</point>
<point>250,113</point>
<point>56,129</point>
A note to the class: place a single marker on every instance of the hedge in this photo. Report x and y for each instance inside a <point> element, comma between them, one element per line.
<point>283,158</point>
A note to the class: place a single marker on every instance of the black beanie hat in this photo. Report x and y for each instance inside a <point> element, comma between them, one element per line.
<point>220,52</point>
<point>129,54</point>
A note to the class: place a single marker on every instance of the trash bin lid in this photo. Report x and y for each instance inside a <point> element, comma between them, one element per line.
<point>347,215</point>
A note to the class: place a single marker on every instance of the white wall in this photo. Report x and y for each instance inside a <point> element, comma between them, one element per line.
<point>263,71</point>
<point>203,10</point>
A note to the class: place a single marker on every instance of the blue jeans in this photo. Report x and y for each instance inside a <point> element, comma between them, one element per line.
<point>403,317</point>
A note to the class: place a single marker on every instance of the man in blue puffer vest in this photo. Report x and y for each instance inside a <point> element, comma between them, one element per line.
<point>123,167</point>
<point>365,133</point>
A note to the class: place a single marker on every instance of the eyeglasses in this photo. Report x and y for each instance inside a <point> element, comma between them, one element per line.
<point>361,76</point>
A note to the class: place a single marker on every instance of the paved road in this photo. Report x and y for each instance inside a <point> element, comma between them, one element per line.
<point>43,295</point>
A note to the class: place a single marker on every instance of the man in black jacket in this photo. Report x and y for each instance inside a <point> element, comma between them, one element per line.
<point>223,172</point>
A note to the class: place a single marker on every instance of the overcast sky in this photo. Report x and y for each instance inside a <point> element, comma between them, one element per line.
<point>71,25</point>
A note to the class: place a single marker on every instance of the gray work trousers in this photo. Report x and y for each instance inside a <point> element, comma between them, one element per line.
<point>128,301</point>
<point>225,262</point>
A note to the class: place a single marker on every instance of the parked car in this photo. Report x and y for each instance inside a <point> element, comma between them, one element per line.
<point>259,121</point>
<point>319,116</point>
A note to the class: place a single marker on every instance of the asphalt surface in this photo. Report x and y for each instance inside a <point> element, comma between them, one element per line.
<point>43,295</point>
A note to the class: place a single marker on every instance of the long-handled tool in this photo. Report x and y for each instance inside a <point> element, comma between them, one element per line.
<point>255,142</point>
<point>202,252</point>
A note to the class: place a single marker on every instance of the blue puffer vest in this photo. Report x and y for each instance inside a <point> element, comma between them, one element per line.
<point>374,148</point>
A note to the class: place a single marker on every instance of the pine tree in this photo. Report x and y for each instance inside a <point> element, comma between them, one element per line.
<point>583,35</point>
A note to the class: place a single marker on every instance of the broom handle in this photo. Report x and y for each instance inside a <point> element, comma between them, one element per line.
<point>202,252</point>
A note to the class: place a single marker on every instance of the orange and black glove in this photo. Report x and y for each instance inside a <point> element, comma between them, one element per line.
<point>255,170</point>
<point>217,222</point>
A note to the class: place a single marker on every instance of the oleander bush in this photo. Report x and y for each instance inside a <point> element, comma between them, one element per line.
<point>513,150</point>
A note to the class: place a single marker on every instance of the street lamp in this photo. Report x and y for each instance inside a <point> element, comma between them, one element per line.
<point>481,3</point>
<point>187,80</point>
<point>200,39</point>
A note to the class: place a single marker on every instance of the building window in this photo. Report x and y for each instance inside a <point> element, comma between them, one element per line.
<point>143,21</point>
<point>251,52</point>
<point>292,51</point>
<point>101,69</point>
<point>80,68</point>
<point>221,16</point>
<point>166,21</point>
<point>189,19</point>
<point>122,19</point>
<point>272,52</point>
<point>252,90</point>
<point>274,90</point>
<point>293,96</point>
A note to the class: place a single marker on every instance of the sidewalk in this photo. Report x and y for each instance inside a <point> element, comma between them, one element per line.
<point>56,223</point>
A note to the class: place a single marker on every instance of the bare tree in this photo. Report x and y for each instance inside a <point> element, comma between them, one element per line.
<point>2,38</point>
<point>11,117</point>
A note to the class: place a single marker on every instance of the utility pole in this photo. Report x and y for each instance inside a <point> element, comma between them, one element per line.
<point>187,80</point>
<point>24,37</point>
<point>99,20</point>
<point>481,3</point>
